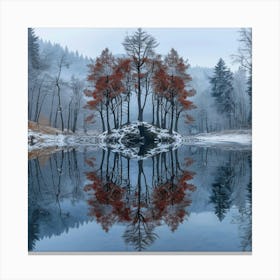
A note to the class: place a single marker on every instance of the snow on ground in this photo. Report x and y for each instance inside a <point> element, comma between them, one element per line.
<point>230,137</point>
<point>117,141</point>
<point>37,140</point>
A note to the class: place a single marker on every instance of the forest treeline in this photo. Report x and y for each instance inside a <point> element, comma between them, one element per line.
<point>71,92</point>
<point>55,84</point>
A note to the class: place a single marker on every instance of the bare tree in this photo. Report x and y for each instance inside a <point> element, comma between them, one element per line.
<point>38,84</point>
<point>58,82</point>
<point>140,47</point>
<point>77,87</point>
<point>244,57</point>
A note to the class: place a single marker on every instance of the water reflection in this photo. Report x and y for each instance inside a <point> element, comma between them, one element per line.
<point>139,203</point>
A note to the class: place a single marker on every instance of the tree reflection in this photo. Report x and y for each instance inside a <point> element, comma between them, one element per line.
<point>141,202</point>
<point>222,189</point>
<point>244,219</point>
<point>72,187</point>
<point>52,180</point>
<point>232,186</point>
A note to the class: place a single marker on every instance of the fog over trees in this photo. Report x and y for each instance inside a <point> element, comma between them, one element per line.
<point>56,79</point>
<point>77,94</point>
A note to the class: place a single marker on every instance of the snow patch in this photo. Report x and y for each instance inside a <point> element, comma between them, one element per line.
<point>37,140</point>
<point>240,137</point>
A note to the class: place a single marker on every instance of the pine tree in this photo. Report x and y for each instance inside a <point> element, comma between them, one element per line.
<point>33,69</point>
<point>33,49</point>
<point>222,90</point>
<point>221,190</point>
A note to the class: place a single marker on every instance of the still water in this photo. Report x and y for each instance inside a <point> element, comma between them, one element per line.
<point>193,199</point>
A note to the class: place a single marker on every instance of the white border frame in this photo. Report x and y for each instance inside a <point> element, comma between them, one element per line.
<point>262,16</point>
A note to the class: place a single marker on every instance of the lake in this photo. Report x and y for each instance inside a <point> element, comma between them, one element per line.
<point>192,199</point>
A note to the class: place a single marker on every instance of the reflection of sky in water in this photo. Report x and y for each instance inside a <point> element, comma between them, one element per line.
<point>202,232</point>
<point>62,223</point>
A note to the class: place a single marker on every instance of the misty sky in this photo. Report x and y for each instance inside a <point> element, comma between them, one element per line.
<point>201,46</point>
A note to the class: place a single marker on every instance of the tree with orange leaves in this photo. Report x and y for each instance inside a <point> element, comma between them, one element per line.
<point>171,84</point>
<point>107,84</point>
<point>142,207</point>
<point>125,69</point>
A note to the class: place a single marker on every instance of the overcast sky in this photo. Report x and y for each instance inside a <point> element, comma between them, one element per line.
<point>201,46</point>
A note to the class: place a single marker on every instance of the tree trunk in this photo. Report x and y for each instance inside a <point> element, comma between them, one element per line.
<point>161,114</point>
<point>51,112</point>
<point>206,123</point>
<point>75,118</point>
<point>40,108</point>
<point>30,107</point>
<point>172,117</point>
<point>177,121</point>
<point>59,106</point>
<point>55,119</point>
<point>68,119</point>
<point>108,119</point>
<point>140,112</point>
<point>164,119</point>
<point>114,119</point>
<point>157,123</point>
<point>102,120</point>
<point>153,112</point>
<point>84,124</point>
<point>121,114</point>
<point>128,110</point>
<point>37,101</point>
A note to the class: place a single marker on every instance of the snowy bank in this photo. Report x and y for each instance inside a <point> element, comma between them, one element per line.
<point>43,141</point>
<point>230,137</point>
<point>138,140</point>
<point>38,140</point>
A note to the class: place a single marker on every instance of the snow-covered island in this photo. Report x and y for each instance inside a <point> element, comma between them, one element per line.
<point>140,140</point>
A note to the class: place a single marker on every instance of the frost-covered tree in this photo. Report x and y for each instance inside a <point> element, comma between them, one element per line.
<point>50,83</point>
<point>38,79</point>
<point>241,99</point>
<point>33,65</point>
<point>33,50</point>
<point>244,57</point>
<point>61,63</point>
<point>74,105</point>
<point>222,90</point>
